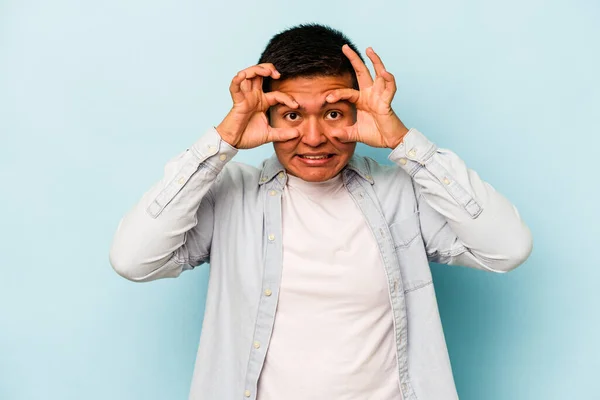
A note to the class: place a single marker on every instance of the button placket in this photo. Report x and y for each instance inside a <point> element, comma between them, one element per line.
<point>270,280</point>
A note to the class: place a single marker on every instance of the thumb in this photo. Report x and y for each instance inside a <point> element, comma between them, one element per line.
<point>347,134</point>
<point>282,134</point>
<point>274,98</point>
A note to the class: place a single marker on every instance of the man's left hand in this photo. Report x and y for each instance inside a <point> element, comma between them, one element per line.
<point>376,124</point>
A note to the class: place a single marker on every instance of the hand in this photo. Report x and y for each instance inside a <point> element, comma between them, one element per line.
<point>376,124</point>
<point>246,125</point>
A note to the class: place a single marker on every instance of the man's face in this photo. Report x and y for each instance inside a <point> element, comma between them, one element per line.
<point>314,156</point>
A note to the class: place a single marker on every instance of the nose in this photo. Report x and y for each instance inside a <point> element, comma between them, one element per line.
<point>312,133</point>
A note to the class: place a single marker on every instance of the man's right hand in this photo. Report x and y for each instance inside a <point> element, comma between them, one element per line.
<point>246,125</point>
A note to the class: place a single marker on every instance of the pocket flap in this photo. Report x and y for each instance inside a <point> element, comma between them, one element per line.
<point>405,230</point>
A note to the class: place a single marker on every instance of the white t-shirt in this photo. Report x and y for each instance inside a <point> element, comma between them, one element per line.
<point>333,332</point>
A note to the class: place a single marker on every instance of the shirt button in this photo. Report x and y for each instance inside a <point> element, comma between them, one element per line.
<point>368,176</point>
<point>271,237</point>
<point>256,345</point>
<point>268,292</point>
<point>412,153</point>
<point>223,157</point>
<point>403,161</point>
<point>247,393</point>
<point>280,175</point>
<point>263,179</point>
<point>181,180</point>
<point>272,192</point>
<point>446,181</point>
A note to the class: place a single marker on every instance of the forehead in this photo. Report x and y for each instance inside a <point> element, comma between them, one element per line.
<point>312,86</point>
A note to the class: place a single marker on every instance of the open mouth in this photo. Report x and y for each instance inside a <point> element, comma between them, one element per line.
<point>315,157</point>
<point>315,160</point>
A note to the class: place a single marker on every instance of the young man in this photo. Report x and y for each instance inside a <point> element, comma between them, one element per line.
<point>319,286</point>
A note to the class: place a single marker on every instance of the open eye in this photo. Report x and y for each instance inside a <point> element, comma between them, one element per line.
<point>333,115</point>
<point>291,116</point>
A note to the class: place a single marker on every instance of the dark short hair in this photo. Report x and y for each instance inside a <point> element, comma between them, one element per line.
<point>308,50</point>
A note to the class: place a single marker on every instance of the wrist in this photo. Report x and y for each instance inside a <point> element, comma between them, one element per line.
<point>400,130</point>
<point>231,128</point>
<point>226,136</point>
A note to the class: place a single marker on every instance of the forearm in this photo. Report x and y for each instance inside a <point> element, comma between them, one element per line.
<point>489,233</point>
<point>150,233</point>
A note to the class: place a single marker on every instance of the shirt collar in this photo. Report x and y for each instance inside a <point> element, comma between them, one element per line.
<point>271,167</point>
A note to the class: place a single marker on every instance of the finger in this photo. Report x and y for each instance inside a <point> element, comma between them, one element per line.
<point>390,83</point>
<point>379,85</point>
<point>246,86</point>
<point>347,94</point>
<point>235,87</point>
<point>282,134</point>
<point>274,98</point>
<point>256,83</point>
<point>260,70</point>
<point>274,73</point>
<point>345,134</point>
<point>376,60</point>
<point>363,76</point>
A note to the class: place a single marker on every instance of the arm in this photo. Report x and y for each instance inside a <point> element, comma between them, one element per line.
<point>464,221</point>
<point>170,228</point>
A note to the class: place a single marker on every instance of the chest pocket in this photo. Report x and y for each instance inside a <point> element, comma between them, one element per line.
<point>410,250</point>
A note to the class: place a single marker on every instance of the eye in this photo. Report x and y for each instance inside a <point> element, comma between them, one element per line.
<point>291,116</point>
<point>334,115</point>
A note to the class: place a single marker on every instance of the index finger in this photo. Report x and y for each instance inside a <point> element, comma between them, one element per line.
<point>362,72</point>
<point>269,66</point>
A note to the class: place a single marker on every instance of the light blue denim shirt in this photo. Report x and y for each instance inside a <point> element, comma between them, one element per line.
<point>428,208</point>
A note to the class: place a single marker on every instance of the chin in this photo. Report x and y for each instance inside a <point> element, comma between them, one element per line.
<point>315,176</point>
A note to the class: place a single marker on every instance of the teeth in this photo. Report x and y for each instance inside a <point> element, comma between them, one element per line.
<point>315,157</point>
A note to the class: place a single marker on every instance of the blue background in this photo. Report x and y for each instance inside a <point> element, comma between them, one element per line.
<point>96,96</point>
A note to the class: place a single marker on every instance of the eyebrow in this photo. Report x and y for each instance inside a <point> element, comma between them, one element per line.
<point>325,103</point>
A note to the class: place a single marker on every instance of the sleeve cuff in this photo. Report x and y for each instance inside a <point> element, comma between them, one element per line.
<point>213,150</point>
<point>413,152</point>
